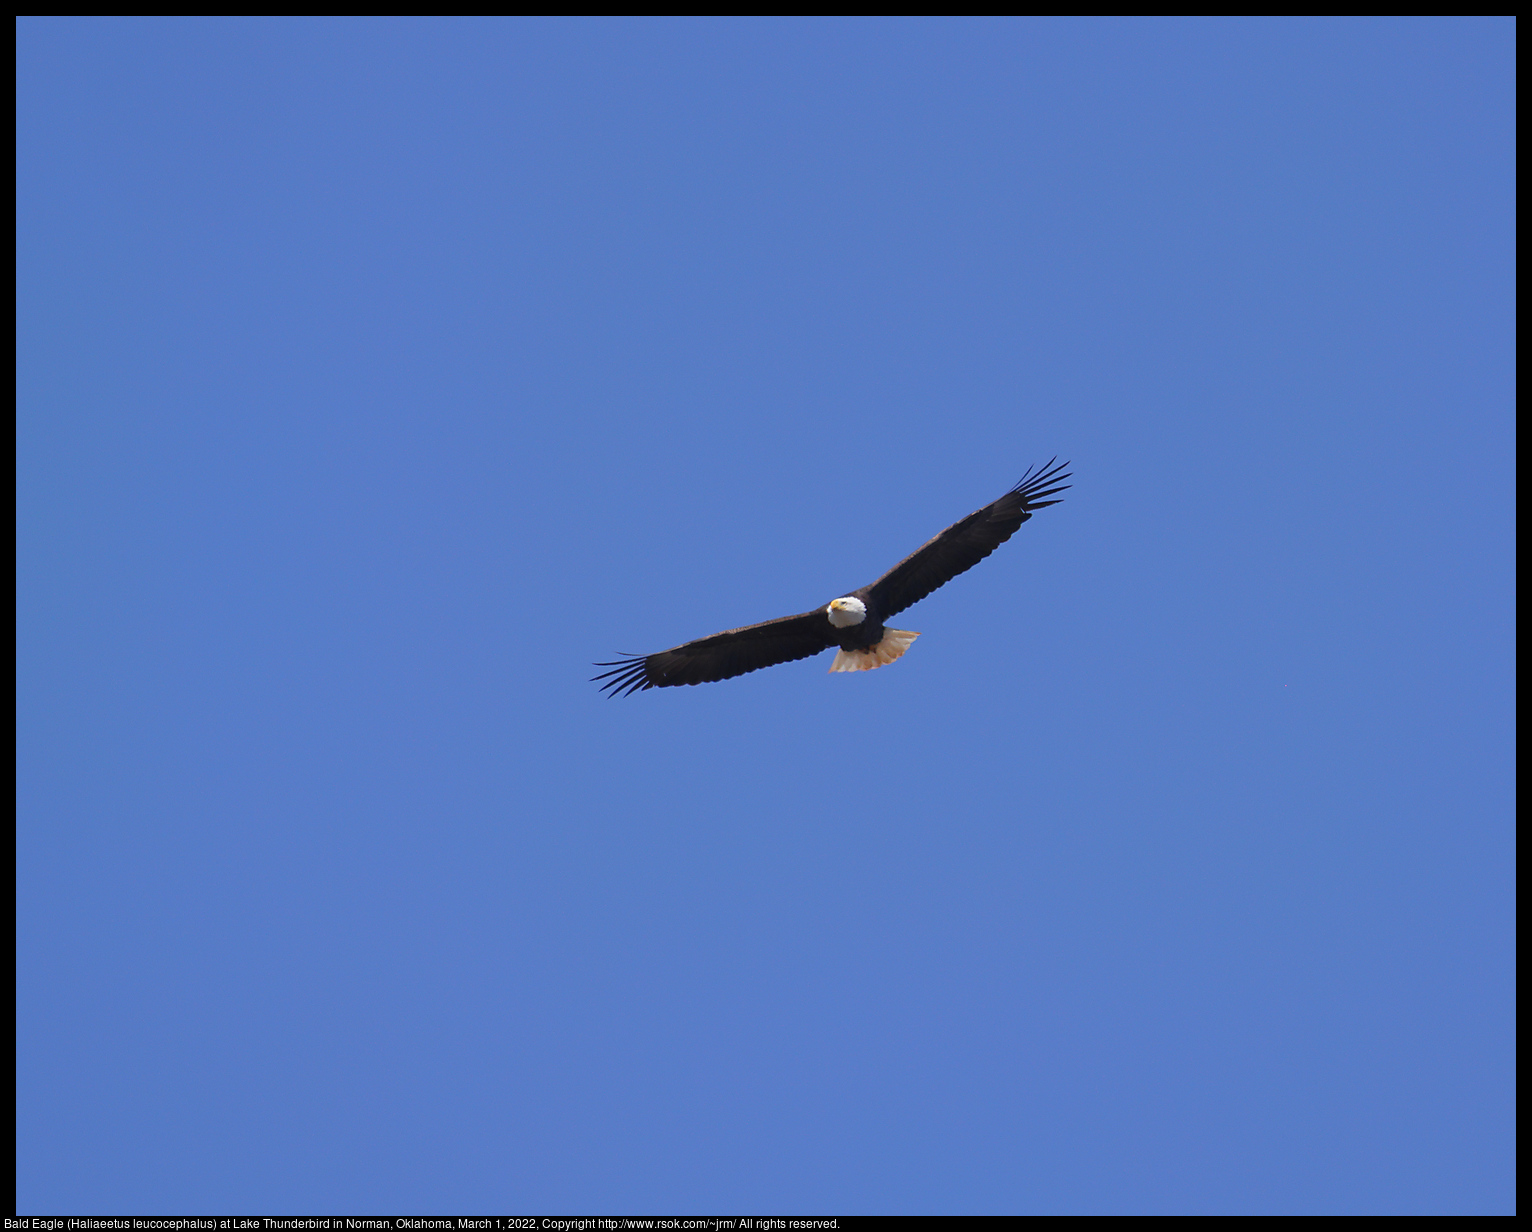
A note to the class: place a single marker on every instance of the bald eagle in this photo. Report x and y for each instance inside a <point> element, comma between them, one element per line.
<point>854,622</point>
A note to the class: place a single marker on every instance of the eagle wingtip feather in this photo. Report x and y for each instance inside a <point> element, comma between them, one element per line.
<point>629,674</point>
<point>1038,483</point>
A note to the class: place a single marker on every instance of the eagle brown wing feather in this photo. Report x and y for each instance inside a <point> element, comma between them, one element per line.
<point>730,653</point>
<point>964,544</point>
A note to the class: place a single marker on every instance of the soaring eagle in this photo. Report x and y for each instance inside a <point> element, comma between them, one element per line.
<point>853,622</point>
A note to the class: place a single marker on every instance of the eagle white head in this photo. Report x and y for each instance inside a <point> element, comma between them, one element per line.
<point>846,612</point>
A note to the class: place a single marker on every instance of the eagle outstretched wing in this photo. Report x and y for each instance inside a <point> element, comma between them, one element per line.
<point>730,653</point>
<point>964,544</point>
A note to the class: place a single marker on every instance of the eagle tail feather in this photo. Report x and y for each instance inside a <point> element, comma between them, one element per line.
<point>895,642</point>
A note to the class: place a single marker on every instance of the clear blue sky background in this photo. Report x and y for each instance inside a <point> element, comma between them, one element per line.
<point>378,376</point>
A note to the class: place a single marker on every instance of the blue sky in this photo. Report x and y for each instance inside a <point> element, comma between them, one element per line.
<point>376,377</point>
